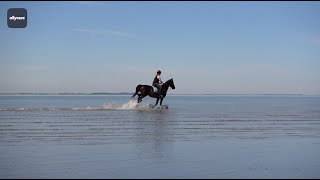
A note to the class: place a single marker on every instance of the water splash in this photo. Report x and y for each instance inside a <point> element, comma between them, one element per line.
<point>131,105</point>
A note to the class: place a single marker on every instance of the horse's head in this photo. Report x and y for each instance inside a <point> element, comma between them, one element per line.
<point>172,84</point>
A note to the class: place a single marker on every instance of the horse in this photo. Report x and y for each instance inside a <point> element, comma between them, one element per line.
<point>146,90</point>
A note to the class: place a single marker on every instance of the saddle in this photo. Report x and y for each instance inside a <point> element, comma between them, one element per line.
<point>155,90</point>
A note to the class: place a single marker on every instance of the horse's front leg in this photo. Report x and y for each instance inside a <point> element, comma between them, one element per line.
<point>156,102</point>
<point>161,101</point>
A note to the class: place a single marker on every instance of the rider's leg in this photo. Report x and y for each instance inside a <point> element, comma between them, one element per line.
<point>159,88</point>
<point>160,91</point>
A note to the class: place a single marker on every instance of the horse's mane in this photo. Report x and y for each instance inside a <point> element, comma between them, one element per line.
<point>167,82</point>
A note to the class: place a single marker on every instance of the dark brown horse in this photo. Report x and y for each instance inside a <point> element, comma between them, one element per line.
<point>146,90</point>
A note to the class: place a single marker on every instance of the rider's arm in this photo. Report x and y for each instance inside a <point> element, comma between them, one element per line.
<point>159,79</point>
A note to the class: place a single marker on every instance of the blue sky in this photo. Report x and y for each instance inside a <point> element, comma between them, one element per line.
<point>206,47</point>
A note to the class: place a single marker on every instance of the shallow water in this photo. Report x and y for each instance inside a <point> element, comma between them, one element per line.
<point>196,137</point>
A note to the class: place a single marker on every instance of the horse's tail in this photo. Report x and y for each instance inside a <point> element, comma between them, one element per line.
<point>137,90</point>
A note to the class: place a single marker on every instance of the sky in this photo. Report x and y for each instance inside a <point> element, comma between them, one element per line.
<point>206,47</point>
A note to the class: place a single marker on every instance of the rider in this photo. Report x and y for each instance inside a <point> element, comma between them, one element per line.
<point>158,83</point>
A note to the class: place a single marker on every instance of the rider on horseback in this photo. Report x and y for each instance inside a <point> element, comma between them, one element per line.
<point>158,83</point>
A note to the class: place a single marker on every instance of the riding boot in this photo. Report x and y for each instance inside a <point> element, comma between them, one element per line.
<point>160,92</point>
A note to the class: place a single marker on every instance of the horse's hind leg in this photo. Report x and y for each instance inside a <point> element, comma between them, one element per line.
<point>140,98</point>
<point>134,95</point>
<point>156,102</point>
<point>137,91</point>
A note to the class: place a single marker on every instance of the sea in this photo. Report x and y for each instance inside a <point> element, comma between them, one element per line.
<point>194,136</point>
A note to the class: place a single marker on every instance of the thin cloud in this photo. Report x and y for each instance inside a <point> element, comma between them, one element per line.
<point>104,32</point>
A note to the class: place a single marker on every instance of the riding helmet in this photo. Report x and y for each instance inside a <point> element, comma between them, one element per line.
<point>158,72</point>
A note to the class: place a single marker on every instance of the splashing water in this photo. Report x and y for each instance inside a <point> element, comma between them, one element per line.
<point>132,104</point>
